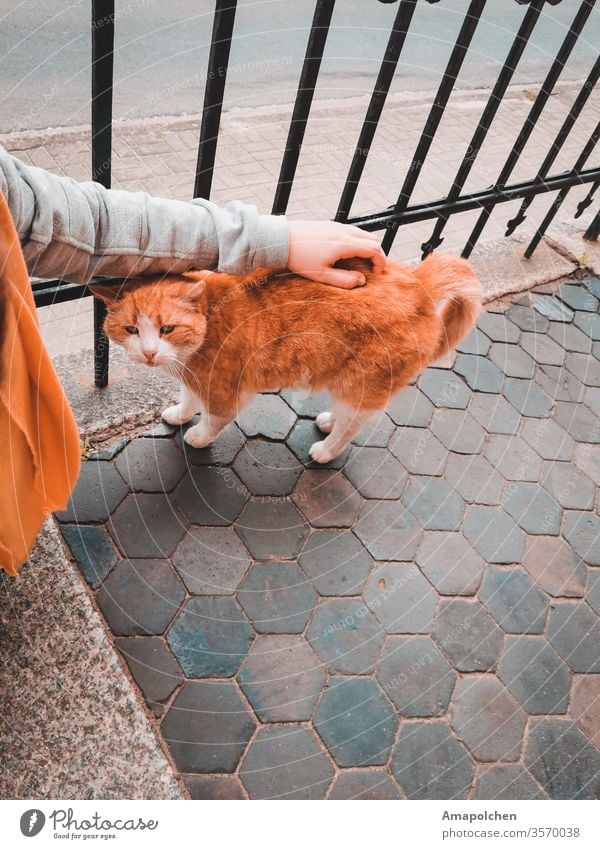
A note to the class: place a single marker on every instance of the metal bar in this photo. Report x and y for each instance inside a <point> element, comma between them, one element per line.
<point>51,293</point>
<point>583,204</point>
<point>304,97</point>
<point>558,142</point>
<point>103,31</point>
<point>474,200</point>
<point>489,113</point>
<point>216,77</point>
<point>557,202</point>
<point>444,91</point>
<point>382,85</point>
<point>537,106</point>
<point>593,231</point>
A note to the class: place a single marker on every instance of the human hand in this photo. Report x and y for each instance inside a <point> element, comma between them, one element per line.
<point>314,246</point>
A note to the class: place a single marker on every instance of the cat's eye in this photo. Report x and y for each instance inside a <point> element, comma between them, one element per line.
<point>167,328</point>
<point>133,331</point>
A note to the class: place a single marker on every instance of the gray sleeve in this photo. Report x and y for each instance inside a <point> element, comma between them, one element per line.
<point>77,230</point>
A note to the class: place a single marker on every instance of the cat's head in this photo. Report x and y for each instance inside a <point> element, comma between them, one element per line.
<point>158,323</point>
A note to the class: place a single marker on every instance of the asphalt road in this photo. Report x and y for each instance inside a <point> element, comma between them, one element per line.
<point>161,53</point>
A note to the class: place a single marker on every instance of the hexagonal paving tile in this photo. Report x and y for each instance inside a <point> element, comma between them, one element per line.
<point>570,487</point>
<point>346,636</point>
<point>475,342</point>
<point>277,598</point>
<point>527,397</point>
<point>468,635</point>
<point>208,727</point>
<point>146,526</point>
<point>581,423</point>
<point>356,722</point>
<point>584,367</point>
<point>480,373</point>
<point>458,431</point>
<point>444,389</point>
<point>578,298</point>
<point>98,491</point>
<point>560,384</point>
<point>515,602</point>
<point>474,479</point>
<point>513,458</point>
<point>401,598</point>
<point>487,719</point>
<point>376,434</point>
<point>527,319</point>
<point>434,503</point>
<point>305,404</point>
<point>500,327</point>
<point>585,705</point>
<point>220,452</point>
<point>416,676</point>
<point>494,534</point>
<point>592,595</point>
<point>582,532</point>
<point>551,562</point>
<point>506,781</point>
<point>428,762</point>
<point>336,562</point>
<point>542,348</point>
<point>210,637</point>
<point>267,415</point>
<point>364,784</point>
<point>548,439</point>
<point>211,561</point>
<point>267,468</point>
<point>211,495</point>
<point>327,499</point>
<point>92,549</point>
<point>388,530</point>
<point>589,323</point>
<point>282,678</point>
<point>494,413</point>
<point>151,465</point>
<point>512,360</point>
<point>272,529</point>
<point>565,763</point>
<point>536,676</point>
<point>571,338</point>
<point>574,632</point>
<point>450,563</point>
<point>205,787</point>
<point>286,762</point>
<point>153,667</point>
<point>375,473</point>
<point>533,509</point>
<point>587,458</point>
<point>410,408</point>
<point>304,434</point>
<point>419,451</point>
<point>140,597</point>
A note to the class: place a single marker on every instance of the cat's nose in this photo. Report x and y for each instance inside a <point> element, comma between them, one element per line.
<point>149,353</point>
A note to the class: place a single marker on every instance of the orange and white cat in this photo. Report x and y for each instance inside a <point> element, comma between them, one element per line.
<point>227,338</point>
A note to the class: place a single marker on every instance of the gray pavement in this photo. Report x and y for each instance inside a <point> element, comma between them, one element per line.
<point>161,53</point>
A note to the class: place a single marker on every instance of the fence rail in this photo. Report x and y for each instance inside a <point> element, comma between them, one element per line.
<point>402,212</point>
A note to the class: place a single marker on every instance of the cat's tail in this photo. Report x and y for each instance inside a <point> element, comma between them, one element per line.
<point>458,295</point>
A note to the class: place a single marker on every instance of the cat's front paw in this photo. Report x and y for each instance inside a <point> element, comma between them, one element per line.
<point>320,453</point>
<point>175,415</point>
<point>197,437</point>
<point>324,422</point>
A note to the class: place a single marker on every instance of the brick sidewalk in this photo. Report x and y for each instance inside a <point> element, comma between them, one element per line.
<point>419,620</point>
<point>160,157</point>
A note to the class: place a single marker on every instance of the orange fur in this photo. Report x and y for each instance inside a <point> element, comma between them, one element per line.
<point>272,329</point>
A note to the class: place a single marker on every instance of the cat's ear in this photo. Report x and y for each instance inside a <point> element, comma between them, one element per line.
<point>108,294</point>
<point>192,293</point>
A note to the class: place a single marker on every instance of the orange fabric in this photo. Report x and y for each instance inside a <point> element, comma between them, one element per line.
<point>39,442</point>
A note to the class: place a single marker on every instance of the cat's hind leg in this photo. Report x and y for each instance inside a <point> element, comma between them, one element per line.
<point>187,408</point>
<point>207,429</point>
<point>347,422</point>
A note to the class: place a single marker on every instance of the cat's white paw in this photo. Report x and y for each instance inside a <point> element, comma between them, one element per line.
<point>320,453</point>
<point>175,415</point>
<point>324,422</point>
<point>197,437</point>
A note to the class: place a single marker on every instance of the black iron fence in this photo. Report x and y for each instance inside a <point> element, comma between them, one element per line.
<point>402,212</point>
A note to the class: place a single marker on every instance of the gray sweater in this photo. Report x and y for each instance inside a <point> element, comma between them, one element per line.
<point>78,230</point>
